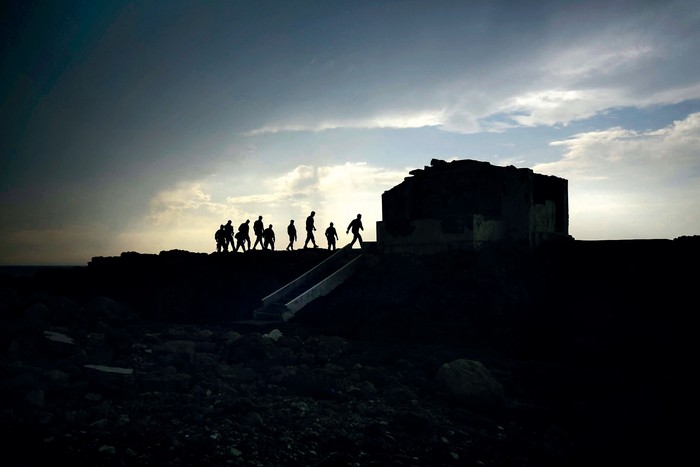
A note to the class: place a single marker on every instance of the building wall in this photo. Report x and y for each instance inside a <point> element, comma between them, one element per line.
<point>462,204</point>
<point>547,188</point>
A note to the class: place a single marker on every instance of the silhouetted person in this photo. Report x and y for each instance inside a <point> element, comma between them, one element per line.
<point>220,237</point>
<point>258,229</point>
<point>332,236</point>
<point>244,228</point>
<point>356,226</point>
<point>240,241</point>
<point>269,236</point>
<point>310,230</point>
<point>292,232</point>
<point>229,235</point>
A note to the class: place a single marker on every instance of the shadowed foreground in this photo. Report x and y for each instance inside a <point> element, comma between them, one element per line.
<point>582,351</point>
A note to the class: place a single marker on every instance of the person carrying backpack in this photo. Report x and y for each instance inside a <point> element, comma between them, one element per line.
<point>220,237</point>
<point>258,229</point>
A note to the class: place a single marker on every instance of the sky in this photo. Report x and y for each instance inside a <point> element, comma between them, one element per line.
<point>145,125</point>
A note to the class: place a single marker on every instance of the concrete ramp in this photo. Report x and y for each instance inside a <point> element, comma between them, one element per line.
<point>283,303</point>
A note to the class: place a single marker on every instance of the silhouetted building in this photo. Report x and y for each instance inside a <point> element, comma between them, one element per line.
<point>464,203</point>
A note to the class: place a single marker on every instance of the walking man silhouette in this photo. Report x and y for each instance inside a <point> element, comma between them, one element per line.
<point>220,237</point>
<point>292,232</point>
<point>240,241</point>
<point>244,230</point>
<point>269,235</point>
<point>229,236</point>
<point>258,229</point>
<point>331,236</point>
<point>310,230</point>
<point>356,226</point>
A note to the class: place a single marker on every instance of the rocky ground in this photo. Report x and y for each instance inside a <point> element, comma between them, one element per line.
<point>439,361</point>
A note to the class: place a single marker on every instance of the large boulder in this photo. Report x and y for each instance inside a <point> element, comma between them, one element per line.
<point>471,383</point>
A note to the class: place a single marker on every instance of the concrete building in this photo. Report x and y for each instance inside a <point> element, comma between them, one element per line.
<point>464,203</point>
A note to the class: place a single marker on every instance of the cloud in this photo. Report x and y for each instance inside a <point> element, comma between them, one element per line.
<point>569,64</point>
<point>186,216</point>
<point>565,83</point>
<point>653,156</point>
<point>394,119</point>
<point>300,179</point>
<point>514,107</point>
<point>335,192</point>
<point>627,184</point>
<point>182,217</point>
<point>174,206</point>
<point>600,57</point>
<point>552,107</point>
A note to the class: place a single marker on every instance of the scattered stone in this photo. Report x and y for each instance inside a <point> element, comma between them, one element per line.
<point>169,391</point>
<point>273,335</point>
<point>111,369</point>
<point>36,397</point>
<point>58,337</point>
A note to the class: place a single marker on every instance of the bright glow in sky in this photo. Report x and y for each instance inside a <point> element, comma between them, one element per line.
<point>143,126</point>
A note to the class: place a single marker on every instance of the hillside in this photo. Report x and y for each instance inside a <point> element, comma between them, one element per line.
<point>149,359</point>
